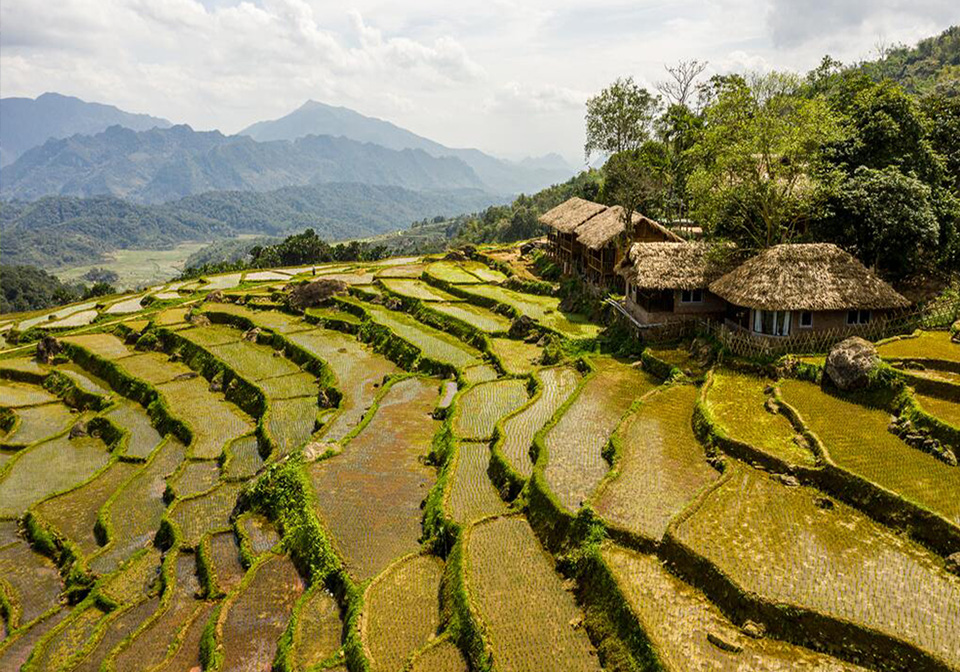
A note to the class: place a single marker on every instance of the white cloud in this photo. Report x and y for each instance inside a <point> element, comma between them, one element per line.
<point>514,97</point>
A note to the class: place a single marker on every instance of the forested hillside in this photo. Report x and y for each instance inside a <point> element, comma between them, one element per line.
<point>61,231</point>
<point>932,66</point>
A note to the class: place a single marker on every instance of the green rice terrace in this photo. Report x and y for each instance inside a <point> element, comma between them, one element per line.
<point>430,465</point>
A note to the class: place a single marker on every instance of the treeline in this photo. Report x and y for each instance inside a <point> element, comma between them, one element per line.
<point>26,288</point>
<point>296,250</point>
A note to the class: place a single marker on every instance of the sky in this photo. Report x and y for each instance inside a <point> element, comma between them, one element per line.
<point>508,77</point>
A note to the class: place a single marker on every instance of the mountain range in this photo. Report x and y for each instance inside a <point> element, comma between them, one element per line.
<point>315,118</point>
<point>28,122</point>
<point>64,146</point>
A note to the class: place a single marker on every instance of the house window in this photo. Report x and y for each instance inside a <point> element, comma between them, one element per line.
<point>858,317</point>
<point>806,319</point>
<point>771,322</point>
<point>691,296</point>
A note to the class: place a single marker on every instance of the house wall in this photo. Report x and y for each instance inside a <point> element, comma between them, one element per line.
<point>712,305</point>
<point>823,320</point>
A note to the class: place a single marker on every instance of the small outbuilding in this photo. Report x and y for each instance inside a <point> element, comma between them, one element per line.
<point>669,281</point>
<point>562,222</point>
<point>790,289</point>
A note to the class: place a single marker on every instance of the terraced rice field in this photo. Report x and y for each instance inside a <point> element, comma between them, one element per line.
<point>250,625</point>
<point>479,318</point>
<point>530,619</point>
<point>482,406</point>
<point>48,468</point>
<point>369,496</point>
<point>318,627</point>
<point>736,401</point>
<point>204,513</point>
<point>417,289</point>
<point>213,422</point>
<point>434,344</point>
<point>183,559</point>
<point>926,345</point>
<point>37,423</point>
<point>776,542</point>
<point>556,386</point>
<point>401,612</point>
<point>471,495</point>
<point>359,373</point>
<point>453,272</point>
<point>575,464</point>
<point>518,357</point>
<point>872,452</point>
<point>948,411</point>
<point>142,437</point>
<point>73,514</point>
<point>542,309</point>
<point>662,466</point>
<point>683,626</point>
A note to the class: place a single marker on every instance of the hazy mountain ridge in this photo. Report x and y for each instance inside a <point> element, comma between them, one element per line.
<point>315,118</point>
<point>60,231</point>
<point>164,164</point>
<point>29,122</point>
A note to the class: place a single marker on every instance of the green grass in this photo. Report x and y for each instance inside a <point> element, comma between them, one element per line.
<point>64,641</point>
<point>37,423</point>
<point>259,532</point>
<point>528,616</point>
<point>678,620</point>
<point>282,323</point>
<point>434,344</point>
<point>318,628</point>
<point>120,626</point>
<point>481,319</point>
<point>107,346</point>
<point>856,439</point>
<point>291,422</point>
<point>243,459</point>
<point>401,612</point>
<point>479,373</point>
<point>661,468</point>
<point>225,556</point>
<point>441,656</point>
<point>557,384</point>
<point>471,496</point>
<point>209,336</point>
<point>369,496</point>
<point>542,309</point>
<point>777,543</point>
<point>736,401</point>
<point>154,367</point>
<point>482,271</point>
<point>194,477</point>
<point>575,444</point>
<point>926,345</point>
<point>481,407</point>
<point>47,468</point>
<point>290,386</point>
<point>252,361</point>
<point>417,289</point>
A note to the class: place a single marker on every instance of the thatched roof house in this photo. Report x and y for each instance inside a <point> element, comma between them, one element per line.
<point>660,266</point>
<point>570,214</point>
<point>806,277</point>
<point>606,226</point>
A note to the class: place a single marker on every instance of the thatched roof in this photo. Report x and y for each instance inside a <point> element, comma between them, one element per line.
<point>607,225</point>
<point>666,266</point>
<point>570,214</point>
<point>815,276</point>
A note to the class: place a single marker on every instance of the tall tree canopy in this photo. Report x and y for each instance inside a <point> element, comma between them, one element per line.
<point>619,118</point>
<point>760,177</point>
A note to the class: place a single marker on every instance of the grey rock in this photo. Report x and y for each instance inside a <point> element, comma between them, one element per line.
<point>850,363</point>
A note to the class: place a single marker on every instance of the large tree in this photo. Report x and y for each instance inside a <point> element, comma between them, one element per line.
<point>760,178</point>
<point>636,180</point>
<point>619,118</point>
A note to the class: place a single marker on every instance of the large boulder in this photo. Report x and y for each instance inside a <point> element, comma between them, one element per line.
<point>313,294</point>
<point>47,348</point>
<point>851,362</point>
